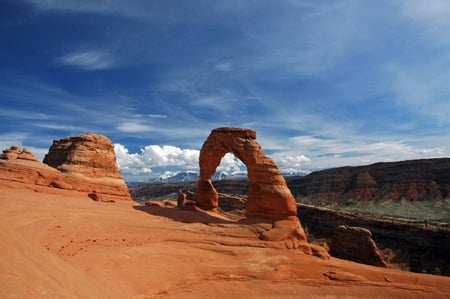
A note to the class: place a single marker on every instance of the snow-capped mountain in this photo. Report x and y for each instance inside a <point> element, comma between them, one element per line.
<point>175,177</point>
<point>192,176</point>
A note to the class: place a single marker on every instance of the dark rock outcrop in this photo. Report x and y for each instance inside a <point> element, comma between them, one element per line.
<point>416,246</point>
<point>356,244</point>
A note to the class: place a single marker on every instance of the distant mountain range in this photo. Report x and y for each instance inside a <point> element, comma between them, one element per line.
<point>192,176</point>
<point>411,180</point>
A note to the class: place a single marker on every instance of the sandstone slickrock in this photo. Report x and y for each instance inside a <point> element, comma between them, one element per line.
<point>356,244</point>
<point>85,163</point>
<point>268,195</point>
<point>21,166</point>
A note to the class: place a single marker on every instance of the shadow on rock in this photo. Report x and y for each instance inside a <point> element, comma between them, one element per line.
<point>186,216</point>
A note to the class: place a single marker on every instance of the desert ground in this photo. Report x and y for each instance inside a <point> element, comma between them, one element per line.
<point>60,244</point>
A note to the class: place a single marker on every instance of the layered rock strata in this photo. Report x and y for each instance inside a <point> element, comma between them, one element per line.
<point>14,152</point>
<point>85,163</point>
<point>412,180</point>
<point>89,162</point>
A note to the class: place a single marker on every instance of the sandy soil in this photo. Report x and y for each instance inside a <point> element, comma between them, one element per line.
<point>64,245</point>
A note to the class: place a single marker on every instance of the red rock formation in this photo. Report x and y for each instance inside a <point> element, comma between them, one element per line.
<point>85,163</point>
<point>90,161</point>
<point>356,244</point>
<point>90,154</point>
<point>14,152</point>
<point>22,166</point>
<point>268,195</point>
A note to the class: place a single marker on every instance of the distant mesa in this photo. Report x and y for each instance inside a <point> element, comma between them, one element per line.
<point>268,195</point>
<point>84,163</point>
<point>412,180</point>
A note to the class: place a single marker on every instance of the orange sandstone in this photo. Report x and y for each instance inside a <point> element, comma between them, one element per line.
<point>268,195</point>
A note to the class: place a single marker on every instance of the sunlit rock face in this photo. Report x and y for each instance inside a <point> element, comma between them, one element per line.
<point>88,159</point>
<point>268,195</point>
<point>89,154</point>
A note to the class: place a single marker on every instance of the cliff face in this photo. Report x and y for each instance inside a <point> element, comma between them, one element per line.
<point>427,179</point>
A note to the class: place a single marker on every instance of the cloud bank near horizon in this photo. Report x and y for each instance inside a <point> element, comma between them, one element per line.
<point>152,160</point>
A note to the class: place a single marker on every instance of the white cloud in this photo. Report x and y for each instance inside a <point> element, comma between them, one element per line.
<point>141,165</point>
<point>226,66</point>
<point>133,127</point>
<point>333,152</point>
<point>25,115</point>
<point>435,12</point>
<point>215,102</point>
<point>295,163</point>
<point>168,155</point>
<point>231,164</point>
<point>129,163</point>
<point>13,138</point>
<point>157,115</point>
<point>421,90</point>
<point>88,60</point>
<point>105,7</point>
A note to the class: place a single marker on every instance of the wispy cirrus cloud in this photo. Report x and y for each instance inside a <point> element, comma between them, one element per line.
<point>88,60</point>
<point>134,8</point>
<point>225,66</point>
<point>323,84</point>
<point>356,150</point>
<point>134,127</point>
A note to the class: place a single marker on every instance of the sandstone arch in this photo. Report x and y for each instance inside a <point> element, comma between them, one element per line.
<point>268,195</point>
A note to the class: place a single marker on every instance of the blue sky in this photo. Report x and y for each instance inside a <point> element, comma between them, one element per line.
<point>324,83</point>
